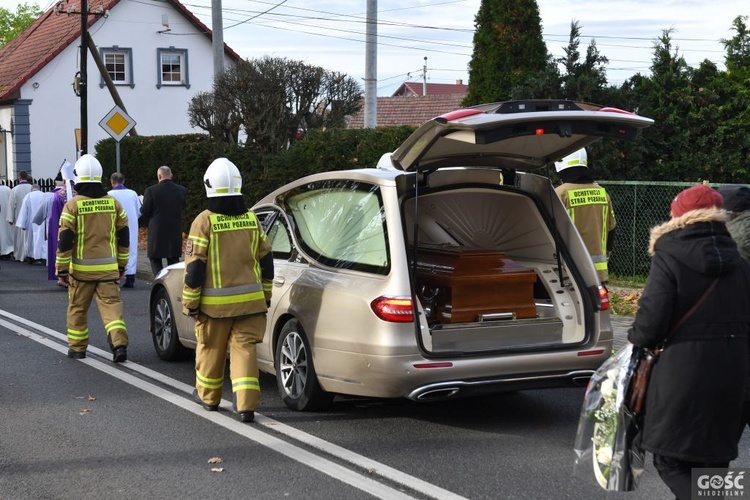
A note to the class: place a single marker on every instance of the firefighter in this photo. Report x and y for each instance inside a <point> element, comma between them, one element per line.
<point>92,251</point>
<point>227,290</point>
<point>589,207</point>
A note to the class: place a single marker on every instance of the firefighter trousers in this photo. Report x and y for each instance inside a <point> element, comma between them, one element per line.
<point>107,293</point>
<point>239,335</point>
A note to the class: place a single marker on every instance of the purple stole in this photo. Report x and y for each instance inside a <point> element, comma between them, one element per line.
<point>58,202</point>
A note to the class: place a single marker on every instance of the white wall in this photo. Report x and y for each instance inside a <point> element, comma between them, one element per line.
<point>55,109</point>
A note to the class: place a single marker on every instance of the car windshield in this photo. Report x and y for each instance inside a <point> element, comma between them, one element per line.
<point>341,224</point>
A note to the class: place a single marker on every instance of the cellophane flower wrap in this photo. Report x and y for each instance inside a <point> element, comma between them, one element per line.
<point>604,444</point>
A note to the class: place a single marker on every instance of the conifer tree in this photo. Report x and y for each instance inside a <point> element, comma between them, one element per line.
<point>508,49</point>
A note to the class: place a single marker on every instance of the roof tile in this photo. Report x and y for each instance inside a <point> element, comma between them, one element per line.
<point>414,110</point>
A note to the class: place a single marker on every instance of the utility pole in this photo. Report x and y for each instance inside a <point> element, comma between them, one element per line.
<point>84,77</point>
<point>371,65</point>
<point>218,37</point>
<point>81,86</point>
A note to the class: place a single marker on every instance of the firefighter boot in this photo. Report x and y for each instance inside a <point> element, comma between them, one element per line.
<point>205,406</point>
<point>119,354</point>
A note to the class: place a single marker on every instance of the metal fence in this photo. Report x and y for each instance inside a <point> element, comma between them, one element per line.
<point>638,207</point>
<point>45,185</point>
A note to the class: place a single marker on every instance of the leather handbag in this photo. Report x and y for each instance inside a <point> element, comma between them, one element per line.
<point>648,357</point>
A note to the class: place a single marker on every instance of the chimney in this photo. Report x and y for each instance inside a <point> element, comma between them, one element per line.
<point>459,82</point>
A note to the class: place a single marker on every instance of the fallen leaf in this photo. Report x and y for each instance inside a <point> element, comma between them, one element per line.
<point>217,469</point>
<point>85,411</point>
<point>91,398</point>
<point>215,460</point>
<point>634,296</point>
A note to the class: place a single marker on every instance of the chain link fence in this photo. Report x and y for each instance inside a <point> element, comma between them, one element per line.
<point>638,207</point>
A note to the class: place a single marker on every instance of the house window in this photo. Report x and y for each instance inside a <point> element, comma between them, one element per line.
<point>119,64</point>
<point>173,67</point>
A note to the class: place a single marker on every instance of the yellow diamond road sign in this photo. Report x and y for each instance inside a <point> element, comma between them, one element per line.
<point>117,123</point>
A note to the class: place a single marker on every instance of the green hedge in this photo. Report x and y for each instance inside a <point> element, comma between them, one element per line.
<point>189,155</point>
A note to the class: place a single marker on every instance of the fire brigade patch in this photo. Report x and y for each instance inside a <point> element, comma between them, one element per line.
<point>189,247</point>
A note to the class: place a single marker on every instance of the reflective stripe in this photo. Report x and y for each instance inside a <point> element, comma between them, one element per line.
<point>573,163</point>
<point>600,266</point>
<point>605,213</point>
<point>233,299</point>
<point>197,240</point>
<point>209,383</point>
<point>91,262</point>
<point>245,384</point>
<point>91,269</point>
<point>234,290</point>
<point>92,265</point>
<point>213,253</point>
<point>67,216</point>
<point>188,295</point>
<point>78,334</point>
<point>117,324</point>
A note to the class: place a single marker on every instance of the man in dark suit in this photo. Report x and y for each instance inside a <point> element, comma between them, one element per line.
<point>162,208</point>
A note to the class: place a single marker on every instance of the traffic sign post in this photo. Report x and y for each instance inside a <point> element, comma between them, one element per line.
<point>117,124</point>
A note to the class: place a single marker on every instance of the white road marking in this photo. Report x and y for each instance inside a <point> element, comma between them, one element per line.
<point>301,455</point>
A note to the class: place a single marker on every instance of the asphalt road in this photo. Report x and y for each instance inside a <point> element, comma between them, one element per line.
<point>91,429</point>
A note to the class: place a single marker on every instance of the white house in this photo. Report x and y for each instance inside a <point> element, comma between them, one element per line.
<point>158,54</point>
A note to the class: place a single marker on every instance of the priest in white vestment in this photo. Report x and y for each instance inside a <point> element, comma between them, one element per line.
<point>35,237</point>
<point>131,203</point>
<point>6,230</point>
<point>14,209</point>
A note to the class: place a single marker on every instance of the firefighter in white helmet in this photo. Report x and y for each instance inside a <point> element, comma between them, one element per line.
<point>92,251</point>
<point>227,290</point>
<point>590,208</point>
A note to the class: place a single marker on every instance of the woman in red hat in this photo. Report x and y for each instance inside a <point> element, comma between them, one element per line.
<point>699,285</point>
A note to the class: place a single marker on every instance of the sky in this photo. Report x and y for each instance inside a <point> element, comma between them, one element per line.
<point>433,38</point>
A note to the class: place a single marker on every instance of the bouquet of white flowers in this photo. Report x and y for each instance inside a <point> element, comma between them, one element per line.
<point>606,428</point>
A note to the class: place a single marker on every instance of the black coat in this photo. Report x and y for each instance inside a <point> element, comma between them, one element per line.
<point>695,395</point>
<point>162,208</point>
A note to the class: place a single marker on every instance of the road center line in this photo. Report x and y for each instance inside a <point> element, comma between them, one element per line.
<point>301,455</point>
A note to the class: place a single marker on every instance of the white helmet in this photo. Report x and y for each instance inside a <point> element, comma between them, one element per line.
<point>222,178</point>
<point>577,159</point>
<point>87,169</point>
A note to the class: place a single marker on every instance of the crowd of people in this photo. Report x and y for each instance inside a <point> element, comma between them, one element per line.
<point>88,238</point>
<point>31,220</point>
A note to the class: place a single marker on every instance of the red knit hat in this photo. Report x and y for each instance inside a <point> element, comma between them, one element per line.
<point>694,198</point>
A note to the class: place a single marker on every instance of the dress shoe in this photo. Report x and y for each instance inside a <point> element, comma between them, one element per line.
<point>205,406</point>
<point>120,354</point>
<point>76,354</point>
<point>129,281</point>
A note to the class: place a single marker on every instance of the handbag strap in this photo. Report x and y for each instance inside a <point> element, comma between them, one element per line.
<point>687,315</point>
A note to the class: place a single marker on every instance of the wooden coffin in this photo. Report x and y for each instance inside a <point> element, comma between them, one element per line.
<point>464,284</point>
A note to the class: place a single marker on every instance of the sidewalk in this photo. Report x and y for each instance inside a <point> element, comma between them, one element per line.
<point>620,324</point>
<point>143,268</point>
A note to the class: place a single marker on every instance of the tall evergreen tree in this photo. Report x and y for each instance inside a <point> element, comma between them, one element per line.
<point>738,47</point>
<point>583,80</point>
<point>508,49</point>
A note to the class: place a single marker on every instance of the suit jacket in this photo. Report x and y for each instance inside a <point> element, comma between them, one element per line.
<point>162,208</point>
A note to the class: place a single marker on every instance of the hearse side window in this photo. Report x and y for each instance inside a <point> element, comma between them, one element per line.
<point>341,224</point>
<point>277,233</point>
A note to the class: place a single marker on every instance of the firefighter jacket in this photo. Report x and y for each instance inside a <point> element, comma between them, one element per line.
<point>228,266</point>
<point>93,240</point>
<point>590,209</point>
